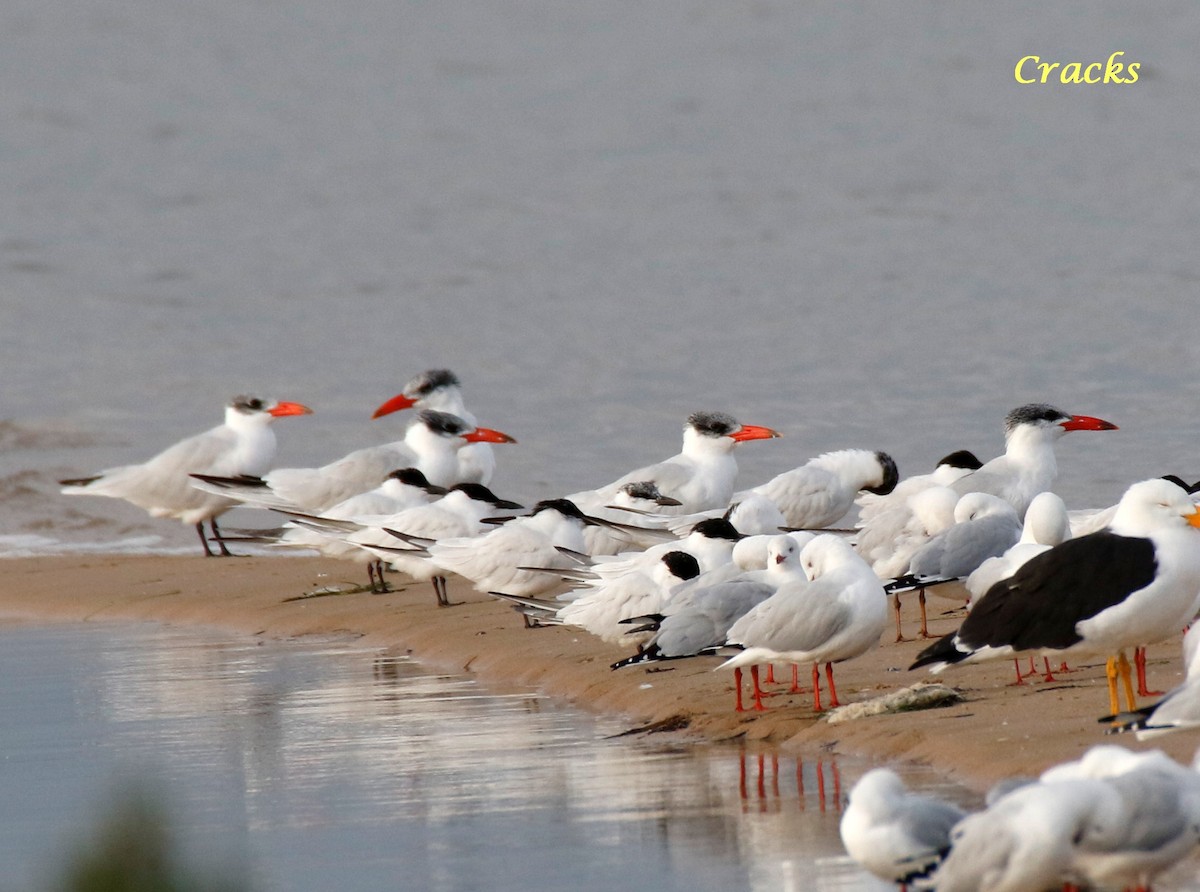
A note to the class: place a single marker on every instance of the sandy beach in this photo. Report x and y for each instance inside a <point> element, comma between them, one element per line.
<point>998,730</point>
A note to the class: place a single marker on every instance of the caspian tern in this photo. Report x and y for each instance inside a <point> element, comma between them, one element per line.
<point>1134,583</point>
<point>836,615</point>
<point>1028,465</point>
<point>243,446</point>
<point>700,477</point>
<point>440,390</point>
<point>430,444</point>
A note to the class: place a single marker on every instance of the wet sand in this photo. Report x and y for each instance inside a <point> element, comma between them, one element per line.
<point>999,730</point>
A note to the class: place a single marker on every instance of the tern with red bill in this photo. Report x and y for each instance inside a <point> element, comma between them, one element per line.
<point>431,445</point>
<point>440,390</point>
<point>243,446</point>
<point>699,478</point>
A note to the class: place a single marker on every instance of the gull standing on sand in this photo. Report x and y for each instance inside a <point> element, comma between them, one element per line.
<point>985,526</point>
<point>1134,583</point>
<point>243,445</point>
<point>697,617</point>
<point>836,615</point>
<point>893,833</point>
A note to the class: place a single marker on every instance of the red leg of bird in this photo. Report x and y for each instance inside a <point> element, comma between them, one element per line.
<point>817,689</point>
<point>1139,661</point>
<point>770,679</point>
<point>896,609</point>
<point>758,693</point>
<point>795,688</point>
<point>1020,677</point>
<point>833,700</point>
<point>737,687</point>
<point>1049,676</point>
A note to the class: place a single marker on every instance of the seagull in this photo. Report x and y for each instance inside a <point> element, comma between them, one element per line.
<point>700,477</point>
<point>1162,822</point>
<point>440,390</point>
<point>243,446</point>
<point>985,526</point>
<point>1029,839</point>
<point>697,617</point>
<point>430,444</point>
<point>838,614</point>
<point>895,834</point>
<point>1134,583</point>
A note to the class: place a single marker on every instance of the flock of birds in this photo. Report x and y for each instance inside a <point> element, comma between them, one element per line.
<point>672,558</point>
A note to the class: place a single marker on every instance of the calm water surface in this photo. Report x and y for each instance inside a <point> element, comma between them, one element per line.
<point>845,220</point>
<point>320,766</point>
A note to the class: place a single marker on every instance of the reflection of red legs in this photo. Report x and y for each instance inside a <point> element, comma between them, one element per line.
<point>1139,661</point>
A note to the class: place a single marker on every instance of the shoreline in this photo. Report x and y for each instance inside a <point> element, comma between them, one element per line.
<point>998,731</point>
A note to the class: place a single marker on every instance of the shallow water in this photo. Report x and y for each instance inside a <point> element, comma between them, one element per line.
<point>324,765</point>
<point>840,219</point>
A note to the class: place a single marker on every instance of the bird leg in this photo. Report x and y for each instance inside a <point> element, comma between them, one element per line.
<point>1110,672</point>
<point>1049,676</point>
<point>816,681</point>
<point>833,700</point>
<point>1139,660</point>
<point>758,693</point>
<point>795,688</point>
<point>375,573</point>
<point>770,679</point>
<point>737,686</point>
<point>225,552</point>
<point>1017,666</point>
<point>896,608</point>
<point>924,622</point>
<point>204,539</point>
<point>1126,672</point>
<point>439,589</point>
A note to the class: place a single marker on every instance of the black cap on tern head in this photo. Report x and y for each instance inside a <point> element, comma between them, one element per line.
<point>414,477</point>
<point>428,381</point>
<point>248,404</point>
<point>1032,414</point>
<point>961,458</point>
<point>443,422</point>
<point>713,424</point>
<point>565,507</point>
<point>717,528</point>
